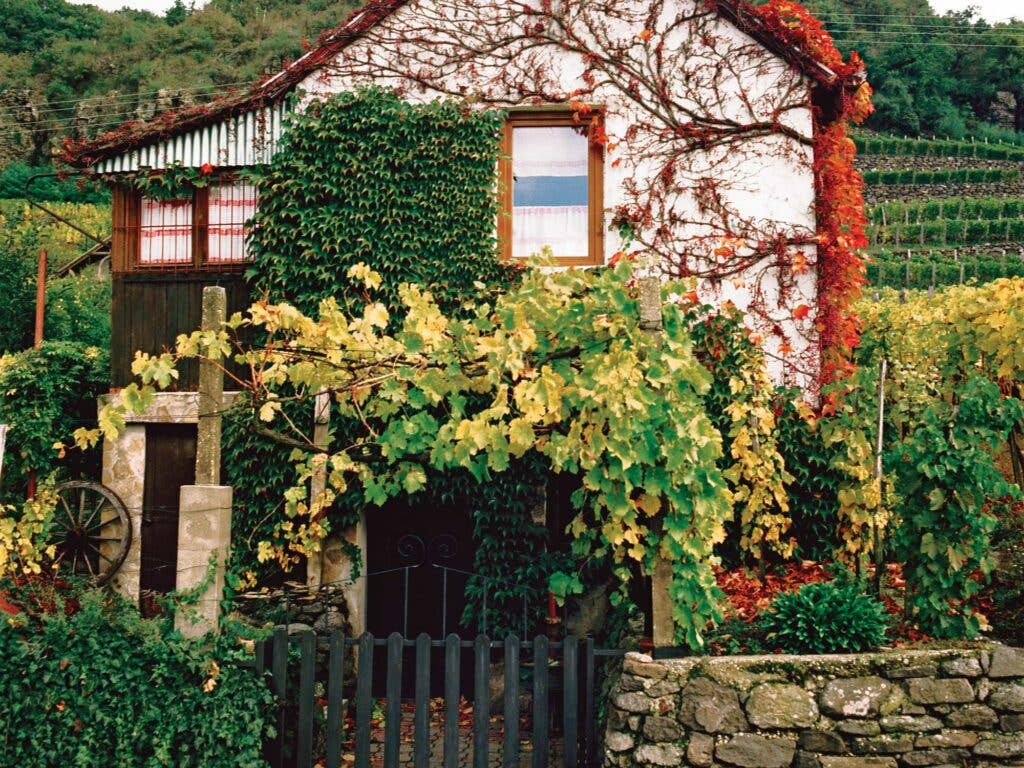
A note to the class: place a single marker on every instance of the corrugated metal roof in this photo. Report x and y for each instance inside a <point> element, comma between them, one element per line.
<point>250,138</point>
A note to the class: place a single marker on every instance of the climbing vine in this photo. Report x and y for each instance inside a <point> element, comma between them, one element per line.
<point>740,402</point>
<point>559,366</point>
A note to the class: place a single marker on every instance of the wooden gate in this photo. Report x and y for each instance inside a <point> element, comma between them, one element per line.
<point>544,712</point>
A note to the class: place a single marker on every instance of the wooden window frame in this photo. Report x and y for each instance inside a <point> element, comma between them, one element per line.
<point>131,240</point>
<point>550,118</point>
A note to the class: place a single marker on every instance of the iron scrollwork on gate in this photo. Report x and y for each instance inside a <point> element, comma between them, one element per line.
<point>413,552</point>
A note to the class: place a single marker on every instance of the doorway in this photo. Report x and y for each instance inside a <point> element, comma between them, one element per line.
<point>170,464</point>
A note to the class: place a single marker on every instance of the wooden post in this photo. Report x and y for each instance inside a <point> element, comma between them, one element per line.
<point>879,542</point>
<point>663,630</point>
<point>38,338</point>
<point>321,426</point>
<point>40,299</point>
<point>211,393</point>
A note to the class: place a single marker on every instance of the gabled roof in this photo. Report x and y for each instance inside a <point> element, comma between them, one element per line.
<point>271,90</point>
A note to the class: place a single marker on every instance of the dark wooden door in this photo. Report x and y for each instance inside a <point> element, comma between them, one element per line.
<point>418,558</point>
<point>170,464</point>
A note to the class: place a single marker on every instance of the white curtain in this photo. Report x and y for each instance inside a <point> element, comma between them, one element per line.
<point>562,227</point>
<point>231,207</point>
<point>165,231</point>
<point>552,151</point>
<point>549,166</point>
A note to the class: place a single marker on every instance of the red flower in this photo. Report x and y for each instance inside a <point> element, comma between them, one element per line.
<point>206,169</point>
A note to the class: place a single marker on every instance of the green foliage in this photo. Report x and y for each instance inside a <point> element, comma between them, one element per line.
<point>925,268</point>
<point>103,687</point>
<point>825,617</point>
<point>14,177</point>
<point>17,275</point>
<point>53,51</point>
<point>814,485</point>
<point>901,145</point>
<point>78,310</point>
<point>559,367</point>
<point>965,208</point>
<point>369,178</point>
<point>954,176</point>
<point>45,394</point>
<point>945,473</point>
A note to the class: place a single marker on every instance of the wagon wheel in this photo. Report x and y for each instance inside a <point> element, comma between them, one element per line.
<point>91,530</point>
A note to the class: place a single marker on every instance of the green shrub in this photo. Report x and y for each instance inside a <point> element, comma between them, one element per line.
<point>826,617</point>
<point>45,394</point>
<point>78,309</point>
<point>103,687</point>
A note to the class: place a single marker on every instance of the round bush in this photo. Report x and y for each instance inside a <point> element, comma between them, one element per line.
<point>826,617</point>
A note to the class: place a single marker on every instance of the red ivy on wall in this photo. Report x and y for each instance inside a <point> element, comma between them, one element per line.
<point>840,188</point>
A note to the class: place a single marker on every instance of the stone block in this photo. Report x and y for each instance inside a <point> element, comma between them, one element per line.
<point>886,744</point>
<point>945,739</point>
<point>642,666</point>
<point>1011,723</point>
<point>617,741</point>
<point>710,707</point>
<point>909,724</point>
<point>859,727</point>
<point>662,729</point>
<point>855,697</point>
<point>965,666</point>
<point>929,757</point>
<point>1007,696</point>
<point>806,760</point>
<point>954,690</point>
<point>633,701</point>
<point>748,750</point>
<point>774,705</point>
<point>1006,662</point>
<point>659,754</point>
<point>204,536</point>
<point>1000,746</point>
<point>700,751</point>
<point>978,716</point>
<point>908,668</point>
<point>822,741</point>
<point>835,761</point>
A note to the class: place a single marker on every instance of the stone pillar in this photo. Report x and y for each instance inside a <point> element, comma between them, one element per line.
<point>124,472</point>
<point>204,516</point>
<point>663,631</point>
<point>204,534</point>
<point>211,393</point>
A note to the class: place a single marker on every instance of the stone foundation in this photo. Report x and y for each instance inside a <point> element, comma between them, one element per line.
<point>884,710</point>
<point>323,609</point>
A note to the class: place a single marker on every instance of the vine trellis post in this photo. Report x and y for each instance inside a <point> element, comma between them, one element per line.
<point>663,631</point>
<point>318,483</point>
<point>879,542</point>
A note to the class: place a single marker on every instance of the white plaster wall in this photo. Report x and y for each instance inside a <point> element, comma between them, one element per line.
<point>771,179</point>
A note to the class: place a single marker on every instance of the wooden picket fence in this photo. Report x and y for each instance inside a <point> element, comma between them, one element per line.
<point>558,683</point>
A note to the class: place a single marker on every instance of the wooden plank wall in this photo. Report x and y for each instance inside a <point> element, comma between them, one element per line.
<point>149,310</point>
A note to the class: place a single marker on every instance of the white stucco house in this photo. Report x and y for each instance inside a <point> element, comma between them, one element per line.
<point>699,123</point>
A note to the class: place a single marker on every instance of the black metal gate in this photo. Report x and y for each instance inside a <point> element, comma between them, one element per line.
<point>542,713</point>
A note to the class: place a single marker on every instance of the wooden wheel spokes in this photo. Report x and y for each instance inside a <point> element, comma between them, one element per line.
<point>91,530</point>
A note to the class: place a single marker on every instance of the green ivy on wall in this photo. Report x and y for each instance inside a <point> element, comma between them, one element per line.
<point>408,189</point>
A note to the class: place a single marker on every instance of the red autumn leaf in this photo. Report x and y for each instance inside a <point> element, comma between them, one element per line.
<point>801,311</point>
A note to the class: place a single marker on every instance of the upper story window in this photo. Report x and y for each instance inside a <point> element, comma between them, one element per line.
<point>165,232</point>
<point>207,230</point>
<point>231,206</point>
<point>551,191</point>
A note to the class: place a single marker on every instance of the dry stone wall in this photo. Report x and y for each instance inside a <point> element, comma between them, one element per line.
<point>885,710</point>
